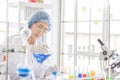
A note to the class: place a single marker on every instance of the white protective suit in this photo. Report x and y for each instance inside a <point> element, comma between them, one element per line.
<point>14,58</point>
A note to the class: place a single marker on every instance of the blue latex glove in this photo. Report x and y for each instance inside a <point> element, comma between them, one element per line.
<point>40,58</point>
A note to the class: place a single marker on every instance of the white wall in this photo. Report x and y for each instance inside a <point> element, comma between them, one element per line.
<point>56,29</point>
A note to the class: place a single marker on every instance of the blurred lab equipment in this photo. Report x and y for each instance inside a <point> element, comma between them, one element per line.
<point>114,61</point>
<point>32,0</point>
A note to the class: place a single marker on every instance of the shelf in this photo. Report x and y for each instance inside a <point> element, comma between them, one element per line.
<point>29,4</point>
<point>2,63</point>
<point>81,78</point>
<point>92,54</point>
<point>82,53</point>
<point>92,34</point>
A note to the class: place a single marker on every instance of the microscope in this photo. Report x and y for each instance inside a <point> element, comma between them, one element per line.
<point>112,57</point>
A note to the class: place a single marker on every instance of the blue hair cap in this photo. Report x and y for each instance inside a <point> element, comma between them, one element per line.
<point>40,16</point>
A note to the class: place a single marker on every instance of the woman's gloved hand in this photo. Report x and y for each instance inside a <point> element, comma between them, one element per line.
<point>50,70</point>
<point>41,48</point>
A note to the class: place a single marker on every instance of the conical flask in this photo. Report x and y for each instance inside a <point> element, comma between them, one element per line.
<point>38,56</point>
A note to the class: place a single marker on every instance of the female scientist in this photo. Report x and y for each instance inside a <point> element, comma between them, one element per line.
<point>39,23</point>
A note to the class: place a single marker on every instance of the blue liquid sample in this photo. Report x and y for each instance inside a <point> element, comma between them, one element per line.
<point>79,75</point>
<point>40,58</point>
<point>23,72</point>
<point>54,73</point>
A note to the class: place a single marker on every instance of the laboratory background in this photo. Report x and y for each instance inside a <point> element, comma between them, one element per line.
<point>84,40</point>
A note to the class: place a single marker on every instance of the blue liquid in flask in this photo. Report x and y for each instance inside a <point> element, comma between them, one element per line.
<point>54,73</point>
<point>40,57</point>
<point>23,72</point>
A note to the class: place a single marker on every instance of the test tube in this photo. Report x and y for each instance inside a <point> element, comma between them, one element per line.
<point>79,73</point>
<point>4,58</point>
<point>84,75</point>
<point>92,75</point>
<point>107,78</point>
<point>71,77</point>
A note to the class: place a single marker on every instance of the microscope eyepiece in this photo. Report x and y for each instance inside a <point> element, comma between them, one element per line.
<point>101,43</point>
